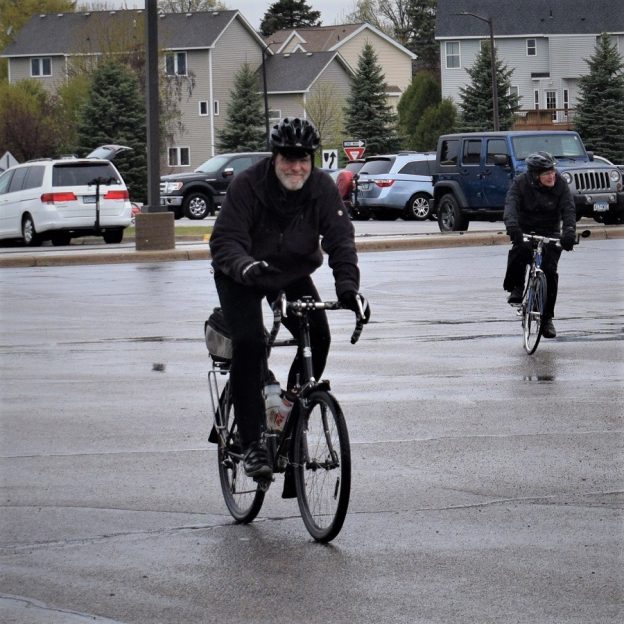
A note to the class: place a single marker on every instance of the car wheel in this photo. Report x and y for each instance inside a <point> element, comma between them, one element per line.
<point>113,236</point>
<point>61,238</point>
<point>197,206</point>
<point>450,218</point>
<point>29,233</point>
<point>418,208</point>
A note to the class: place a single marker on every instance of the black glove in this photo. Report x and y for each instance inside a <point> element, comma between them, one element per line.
<point>256,269</point>
<point>515,235</point>
<point>568,240</point>
<point>349,300</point>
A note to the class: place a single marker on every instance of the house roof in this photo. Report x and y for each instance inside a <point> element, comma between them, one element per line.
<point>528,17</point>
<point>87,32</point>
<point>297,72</point>
<point>320,38</point>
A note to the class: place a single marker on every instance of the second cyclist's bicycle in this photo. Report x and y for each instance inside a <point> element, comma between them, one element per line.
<point>312,449</point>
<point>535,291</point>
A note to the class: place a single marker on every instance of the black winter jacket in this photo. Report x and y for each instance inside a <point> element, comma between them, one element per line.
<point>260,221</point>
<point>539,209</point>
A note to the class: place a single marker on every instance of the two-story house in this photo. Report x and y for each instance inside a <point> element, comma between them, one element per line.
<point>349,39</point>
<point>545,42</point>
<point>202,51</point>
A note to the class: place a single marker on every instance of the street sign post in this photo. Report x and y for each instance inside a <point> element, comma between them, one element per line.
<point>354,149</point>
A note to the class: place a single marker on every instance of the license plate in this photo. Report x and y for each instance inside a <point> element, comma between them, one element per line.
<point>89,199</point>
<point>364,186</point>
<point>601,206</point>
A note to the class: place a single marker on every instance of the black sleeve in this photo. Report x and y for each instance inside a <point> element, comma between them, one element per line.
<point>338,238</point>
<point>513,204</point>
<point>230,242</point>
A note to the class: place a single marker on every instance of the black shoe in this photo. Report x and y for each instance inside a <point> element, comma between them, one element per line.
<point>515,296</point>
<point>256,463</point>
<point>548,329</point>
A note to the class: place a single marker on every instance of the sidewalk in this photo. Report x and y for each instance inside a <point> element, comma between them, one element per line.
<point>198,249</point>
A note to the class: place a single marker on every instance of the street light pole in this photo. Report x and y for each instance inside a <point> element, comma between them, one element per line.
<point>488,21</point>
<point>265,51</point>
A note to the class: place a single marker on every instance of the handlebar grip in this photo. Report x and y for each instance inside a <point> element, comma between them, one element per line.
<point>357,331</point>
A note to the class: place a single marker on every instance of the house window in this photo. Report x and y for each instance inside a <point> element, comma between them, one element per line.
<point>40,67</point>
<point>566,103</point>
<point>536,105</point>
<point>203,108</point>
<point>514,92</point>
<point>215,108</point>
<point>452,55</point>
<point>275,115</point>
<point>175,64</point>
<point>531,47</point>
<point>179,156</point>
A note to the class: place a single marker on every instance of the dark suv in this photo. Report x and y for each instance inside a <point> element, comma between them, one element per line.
<point>474,170</point>
<point>196,195</point>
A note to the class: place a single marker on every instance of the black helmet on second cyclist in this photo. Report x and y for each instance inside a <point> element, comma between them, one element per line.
<point>294,137</point>
<point>540,162</point>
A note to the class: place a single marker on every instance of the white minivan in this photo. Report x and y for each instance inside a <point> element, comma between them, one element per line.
<point>58,199</point>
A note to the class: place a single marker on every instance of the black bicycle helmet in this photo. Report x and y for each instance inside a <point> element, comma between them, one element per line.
<point>539,162</point>
<point>294,133</point>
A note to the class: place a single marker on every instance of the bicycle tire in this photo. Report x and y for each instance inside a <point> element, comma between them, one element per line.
<point>243,497</point>
<point>533,312</point>
<point>322,466</point>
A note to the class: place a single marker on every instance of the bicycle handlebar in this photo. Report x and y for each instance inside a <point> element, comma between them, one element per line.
<point>301,307</point>
<point>555,241</point>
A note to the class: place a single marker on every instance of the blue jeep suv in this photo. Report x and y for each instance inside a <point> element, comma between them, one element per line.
<point>474,170</point>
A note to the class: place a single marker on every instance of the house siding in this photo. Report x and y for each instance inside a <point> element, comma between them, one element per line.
<point>201,133</point>
<point>396,65</point>
<point>19,69</point>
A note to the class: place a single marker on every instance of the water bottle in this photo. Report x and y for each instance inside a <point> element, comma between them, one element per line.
<point>272,403</point>
<point>285,408</point>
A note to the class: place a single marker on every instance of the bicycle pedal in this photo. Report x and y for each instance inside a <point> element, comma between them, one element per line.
<point>263,484</point>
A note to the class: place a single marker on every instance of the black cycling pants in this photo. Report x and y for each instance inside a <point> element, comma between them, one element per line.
<point>242,308</point>
<point>519,257</point>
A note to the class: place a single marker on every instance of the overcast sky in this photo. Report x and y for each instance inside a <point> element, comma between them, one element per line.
<point>332,11</point>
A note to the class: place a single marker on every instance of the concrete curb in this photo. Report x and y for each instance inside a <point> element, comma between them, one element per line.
<point>363,243</point>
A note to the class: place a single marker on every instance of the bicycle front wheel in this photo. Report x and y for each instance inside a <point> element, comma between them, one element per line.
<point>242,495</point>
<point>533,312</point>
<point>322,459</point>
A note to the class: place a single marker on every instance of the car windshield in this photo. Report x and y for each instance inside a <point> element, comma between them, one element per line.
<point>212,165</point>
<point>379,165</point>
<point>83,174</point>
<point>559,145</point>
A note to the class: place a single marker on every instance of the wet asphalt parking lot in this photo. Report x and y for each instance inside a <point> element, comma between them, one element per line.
<point>487,484</point>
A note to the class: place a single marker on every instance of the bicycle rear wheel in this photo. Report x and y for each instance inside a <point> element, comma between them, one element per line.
<point>242,495</point>
<point>322,466</point>
<point>533,312</point>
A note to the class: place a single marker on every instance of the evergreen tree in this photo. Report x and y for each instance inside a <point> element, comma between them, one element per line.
<point>367,115</point>
<point>115,113</point>
<point>476,99</point>
<point>289,14</point>
<point>600,111</point>
<point>423,93</point>
<point>245,125</point>
<point>435,121</point>
<point>422,16</point>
